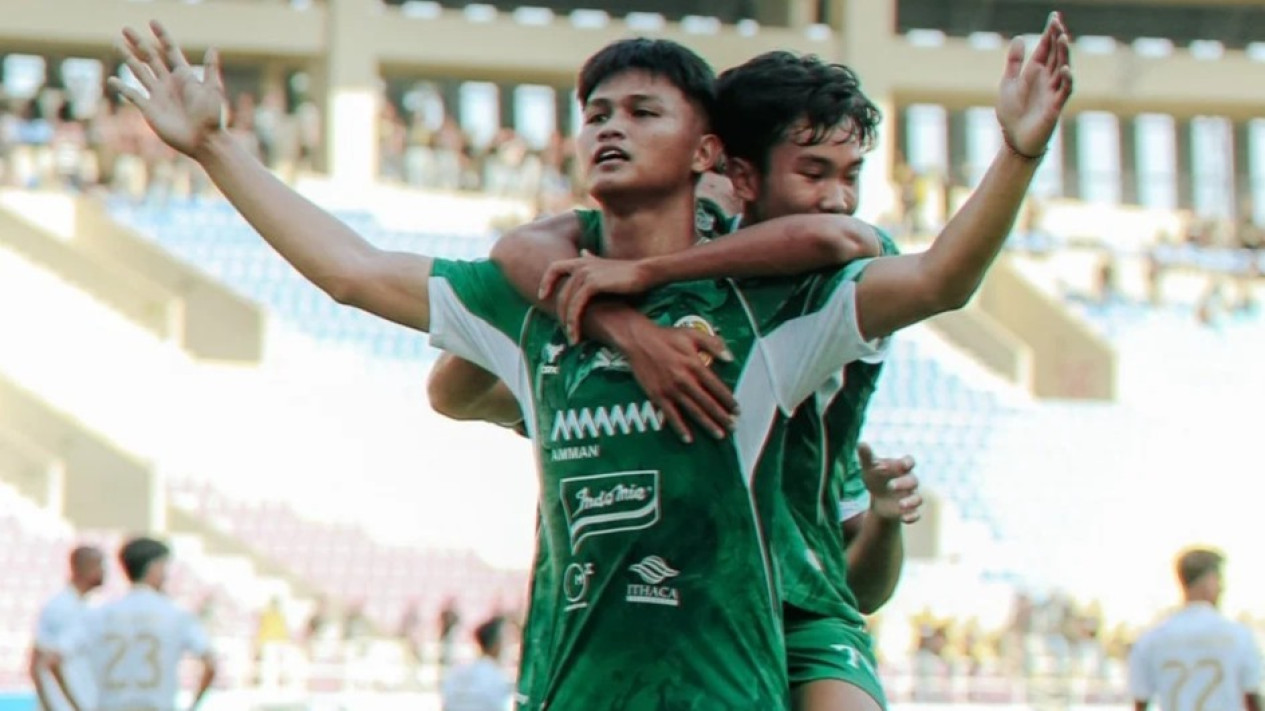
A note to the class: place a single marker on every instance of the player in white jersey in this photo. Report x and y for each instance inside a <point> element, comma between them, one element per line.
<point>61,614</point>
<point>136,643</point>
<point>481,685</point>
<point>1197,659</point>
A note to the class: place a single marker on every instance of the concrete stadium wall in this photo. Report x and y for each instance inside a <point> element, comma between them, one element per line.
<point>104,486</point>
<point>1069,360</point>
<point>973,330</point>
<point>132,295</point>
<point>214,323</point>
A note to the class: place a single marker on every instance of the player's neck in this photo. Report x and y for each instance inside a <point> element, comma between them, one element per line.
<point>649,229</point>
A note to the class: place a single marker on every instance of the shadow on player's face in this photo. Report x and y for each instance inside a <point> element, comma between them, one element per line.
<point>642,138</point>
<point>803,176</point>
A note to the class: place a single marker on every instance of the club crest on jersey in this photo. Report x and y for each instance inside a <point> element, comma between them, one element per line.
<point>698,323</point>
<point>609,503</point>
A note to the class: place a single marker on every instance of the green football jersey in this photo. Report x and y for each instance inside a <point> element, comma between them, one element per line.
<point>663,595</point>
<point>710,221</point>
<point>537,627</point>
<point>823,484</point>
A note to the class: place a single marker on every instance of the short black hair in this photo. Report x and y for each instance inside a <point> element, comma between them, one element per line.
<point>139,553</point>
<point>1196,563</point>
<point>760,101</point>
<point>488,634</point>
<point>673,61</point>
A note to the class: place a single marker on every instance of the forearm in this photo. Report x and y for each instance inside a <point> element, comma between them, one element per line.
<point>37,681</point>
<point>525,256</point>
<point>875,559</point>
<point>323,249</point>
<point>971,241</point>
<point>461,390</point>
<point>780,247</point>
<point>204,685</point>
<point>56,670</point>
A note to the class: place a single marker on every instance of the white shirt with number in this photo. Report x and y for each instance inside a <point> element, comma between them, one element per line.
<point>136,644</point>
<point>61,616</point>
<point>481,685</point>
<point>1195,660</point>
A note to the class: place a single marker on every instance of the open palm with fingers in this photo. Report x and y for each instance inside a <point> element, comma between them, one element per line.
<point>1033,92</point>
<point>185,110</point>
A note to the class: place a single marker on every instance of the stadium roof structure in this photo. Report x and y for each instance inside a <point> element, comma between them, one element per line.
<point>1233,23</point>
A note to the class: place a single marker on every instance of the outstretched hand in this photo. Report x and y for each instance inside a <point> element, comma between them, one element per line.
<point>1033,92</point>
<point>185,110</point>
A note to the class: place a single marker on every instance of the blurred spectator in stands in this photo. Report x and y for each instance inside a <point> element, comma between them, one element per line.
<point>481,685</point>
<point>318,622</point>
<point>410,632</point>
<point>1107,284</point>
<point>208,613</point>
<point>449,621</point>
<point>356,627</point>
<point>272,640</point>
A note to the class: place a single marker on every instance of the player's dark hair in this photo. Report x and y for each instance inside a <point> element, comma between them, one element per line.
<point>757,103</point>
<point>138,554</point>
<point>669,60</point>
<point>488,634</point>
<point>1196,563</point>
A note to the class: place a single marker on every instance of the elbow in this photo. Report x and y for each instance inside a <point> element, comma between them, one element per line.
<point>840,240</point>
<point>944,294</point>
<point>346,289</point>
<point>952,299</point>
<point>444,399</point>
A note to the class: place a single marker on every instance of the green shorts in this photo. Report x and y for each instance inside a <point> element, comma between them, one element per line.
<point>821,648</point>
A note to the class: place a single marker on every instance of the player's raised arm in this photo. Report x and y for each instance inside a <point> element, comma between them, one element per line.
<point>899,291</point>
<point>779,247</point>
<point>187,113</point>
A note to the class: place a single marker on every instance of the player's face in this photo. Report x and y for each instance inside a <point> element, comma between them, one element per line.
<point>157,573</point>
<point>642,137</point>
<point>820,178</point>
<point>96,573</point>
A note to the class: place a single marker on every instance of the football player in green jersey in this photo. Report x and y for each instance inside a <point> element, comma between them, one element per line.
<point>803,157</point>
<point>666,597</point>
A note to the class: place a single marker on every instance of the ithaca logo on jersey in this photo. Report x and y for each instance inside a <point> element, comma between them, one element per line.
<point>653,571</point>
<point>609,503</point>
<point>603,421</point>
<point>698,323</point>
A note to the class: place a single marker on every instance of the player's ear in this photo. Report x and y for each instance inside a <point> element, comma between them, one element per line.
<point>709,151</point>
<point>745,179</point>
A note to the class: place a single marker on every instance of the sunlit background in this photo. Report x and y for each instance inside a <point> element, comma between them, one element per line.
<point>1094,409</point>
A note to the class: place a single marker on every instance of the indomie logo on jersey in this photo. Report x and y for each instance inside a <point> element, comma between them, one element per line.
<point>609,503</point>
<point>590,423</point>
